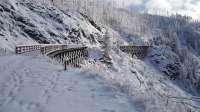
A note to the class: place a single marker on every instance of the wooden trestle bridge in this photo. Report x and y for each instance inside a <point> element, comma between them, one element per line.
<point>73,55</point>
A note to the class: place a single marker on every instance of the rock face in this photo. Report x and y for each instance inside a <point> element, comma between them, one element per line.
<point>27,23</point>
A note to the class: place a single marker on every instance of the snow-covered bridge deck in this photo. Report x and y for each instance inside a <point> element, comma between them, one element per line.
<point>45,48</point>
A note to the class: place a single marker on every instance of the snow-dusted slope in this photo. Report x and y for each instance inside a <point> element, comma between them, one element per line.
<point>148,88</point>
<point>31,83</point>
<point>25,22</point>
<point>175,43</point>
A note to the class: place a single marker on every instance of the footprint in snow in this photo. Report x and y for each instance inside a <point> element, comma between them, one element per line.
<point>108,110</point>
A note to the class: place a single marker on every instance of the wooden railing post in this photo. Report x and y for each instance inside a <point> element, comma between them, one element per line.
<point>65,65</point>
<point>16,50</point>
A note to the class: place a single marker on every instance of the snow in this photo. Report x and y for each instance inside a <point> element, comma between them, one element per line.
<point>30,22</point>
<point>147,87</point>
<point>31,83</point>
<point>95,53</point>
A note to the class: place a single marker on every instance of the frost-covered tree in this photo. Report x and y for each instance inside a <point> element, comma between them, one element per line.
<point>106,46</point>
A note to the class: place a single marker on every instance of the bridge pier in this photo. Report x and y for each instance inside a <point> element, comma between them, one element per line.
<point>69,57</point>
<point>138,51</point>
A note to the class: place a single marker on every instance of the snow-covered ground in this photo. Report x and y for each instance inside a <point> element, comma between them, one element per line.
<point>148,87</point>
<point>31,83</point>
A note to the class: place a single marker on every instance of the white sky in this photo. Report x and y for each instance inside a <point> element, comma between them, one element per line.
<point>188,7</point>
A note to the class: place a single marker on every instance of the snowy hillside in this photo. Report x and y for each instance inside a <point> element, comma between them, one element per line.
<point>24,22</point>
<point>167,80</point>
<point>32,84</point>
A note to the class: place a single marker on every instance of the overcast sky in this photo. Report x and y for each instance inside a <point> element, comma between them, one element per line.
<point>188,7</point>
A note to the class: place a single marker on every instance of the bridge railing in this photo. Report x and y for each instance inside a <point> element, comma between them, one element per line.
<point>49,48</point>
<point>76,60</point>
<point>46,49</point>
<point>28,48</point>
<point>72,57</point>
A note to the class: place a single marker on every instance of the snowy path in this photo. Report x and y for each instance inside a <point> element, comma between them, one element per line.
<point>32,84</point>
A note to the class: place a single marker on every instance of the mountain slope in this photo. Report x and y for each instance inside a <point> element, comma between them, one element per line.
<point>27,22</point>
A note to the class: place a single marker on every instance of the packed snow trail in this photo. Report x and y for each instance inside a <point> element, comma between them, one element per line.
<point>33,84</point>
